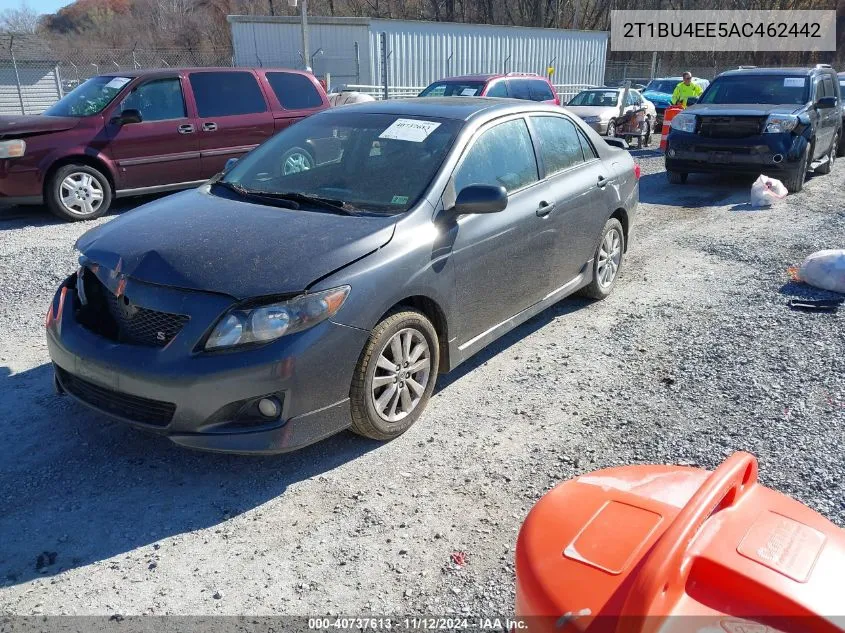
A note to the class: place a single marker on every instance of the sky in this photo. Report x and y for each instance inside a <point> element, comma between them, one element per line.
<point>42,6</point>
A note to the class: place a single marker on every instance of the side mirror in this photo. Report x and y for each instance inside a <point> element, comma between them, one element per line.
<point>481,199</point>
<point>826,102</point>
<point>229,164</point>
<point>614,141</point>
<point>128,116</point>
<point>691,101</point>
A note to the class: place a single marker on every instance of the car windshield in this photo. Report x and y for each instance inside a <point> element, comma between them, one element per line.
<point>364,162</point>
<point>453,89</point>
<point>603,98</point>
<point>765,89</point>
<point>89,97</point>
<point>666,86</point>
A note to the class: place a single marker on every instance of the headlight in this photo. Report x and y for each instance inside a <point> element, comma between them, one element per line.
<point>242,326</point>
<point>12,149</point>
<point>777,123</point>
<point>684,122</point>
<point>592,119</point>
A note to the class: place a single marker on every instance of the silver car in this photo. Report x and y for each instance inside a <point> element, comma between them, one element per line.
<point>600,108</point>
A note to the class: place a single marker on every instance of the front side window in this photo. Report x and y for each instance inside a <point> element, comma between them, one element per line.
<point>380,163</point>
<point>157,100</point>
<point>502,156</point>
<point>498,89</point>
<point>828,87</point>
<point>89,97</point>
<point>767,89</point>
<point>560,146</point>
<point>294,92</point>
<point>540,90</point>
<point>226,94</point>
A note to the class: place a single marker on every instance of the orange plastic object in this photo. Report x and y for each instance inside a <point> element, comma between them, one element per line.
<point>668,114</point>
<point>668,549</point>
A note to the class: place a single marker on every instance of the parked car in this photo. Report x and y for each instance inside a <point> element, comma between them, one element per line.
<point>278,307</point>
<point>600,108</point>
<point>785,121</point>
<point>633,82</point>
<point>841,149</point>
<point>527,86</point>
<point>659,92</point>
<point>153,130</point>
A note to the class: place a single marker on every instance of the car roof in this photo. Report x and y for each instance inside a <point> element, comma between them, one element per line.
<point>151,72</point>
<point>774,71</point>
<point>458,108</point>
<point>468,78</point>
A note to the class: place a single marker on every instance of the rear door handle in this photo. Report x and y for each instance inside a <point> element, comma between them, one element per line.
<point>186,128</point>
<point>209,127</point>
<point>602,182</point>
<point>545,208</point>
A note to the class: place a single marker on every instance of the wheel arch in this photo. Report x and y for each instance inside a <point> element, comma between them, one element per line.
<point>622,215</point>
<point>80,159</point>
<point>434,313</point>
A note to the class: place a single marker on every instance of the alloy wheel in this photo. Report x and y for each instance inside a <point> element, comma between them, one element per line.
<point>81,193</point>
<point>610,257</point>
<point>296,162</point>
<point>403,370</point>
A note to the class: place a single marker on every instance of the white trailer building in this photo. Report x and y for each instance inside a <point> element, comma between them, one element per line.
<point>350,49</point>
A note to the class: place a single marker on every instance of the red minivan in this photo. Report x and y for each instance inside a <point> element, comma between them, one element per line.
<point>147,131</point>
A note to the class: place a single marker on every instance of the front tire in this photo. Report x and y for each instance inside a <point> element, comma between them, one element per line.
<point>611,129</point>
<point>78,192</point>
<point>607,260</point>
<point>794,181</point>
<point>395,375</point>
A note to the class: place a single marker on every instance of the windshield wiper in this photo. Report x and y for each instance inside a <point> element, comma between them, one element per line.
<point>325,203</point>
<point>255,194</point>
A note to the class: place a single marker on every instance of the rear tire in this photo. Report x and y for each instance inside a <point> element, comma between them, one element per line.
<point>607,261</point>
<point>78,192</point>
<point>794,181</point>
<point>677,177</point>
<point>395,375</point>
<point>831,157</point>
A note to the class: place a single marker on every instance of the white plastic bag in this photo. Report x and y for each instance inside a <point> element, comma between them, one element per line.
<point>825,269</point>
<point>766,191</point>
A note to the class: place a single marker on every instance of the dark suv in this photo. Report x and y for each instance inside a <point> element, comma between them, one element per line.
<point>145,131</point>
<point>784,121</point>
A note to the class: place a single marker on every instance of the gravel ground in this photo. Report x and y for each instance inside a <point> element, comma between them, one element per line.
<point>694,356</point>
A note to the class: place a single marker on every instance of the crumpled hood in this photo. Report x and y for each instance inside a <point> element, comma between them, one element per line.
<point>742,109</point>
<point>657,97</point>
<point>198,241</point>
<point>11,126</point>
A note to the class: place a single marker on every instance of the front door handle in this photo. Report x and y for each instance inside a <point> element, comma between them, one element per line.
<point>602,182</point>
<point>209,127</point>
<point>186,128</point>
<point>545,208</point>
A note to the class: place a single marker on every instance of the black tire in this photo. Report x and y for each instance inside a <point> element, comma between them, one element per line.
<point>647,138</point>
<point>300,159</point>
<point>831,157</point>
<point>611,129</point>
<point>840,150</point>
<point>90,194</point>
<point>677,177</point>
<point>367,420</point>
<point>598,289</point>
<point>794,180</point>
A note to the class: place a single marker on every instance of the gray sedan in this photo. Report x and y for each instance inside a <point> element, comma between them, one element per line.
<point>273,307</point>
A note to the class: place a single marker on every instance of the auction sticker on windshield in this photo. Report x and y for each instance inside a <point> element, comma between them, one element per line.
<point>468,92</point>
<point>793,82</point>
<point>118,82</point>
<point>409,130</point>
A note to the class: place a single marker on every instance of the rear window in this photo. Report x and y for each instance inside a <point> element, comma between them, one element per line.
<point>540,90</point>
<point>294,92</point>
<point>227,94</point>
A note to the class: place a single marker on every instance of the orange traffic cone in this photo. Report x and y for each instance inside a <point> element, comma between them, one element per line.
<point>668,115</point>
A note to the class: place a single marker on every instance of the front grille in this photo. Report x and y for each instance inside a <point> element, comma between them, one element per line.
<point>117,318</point>
<point>731,126</point>
<point>134,408</point>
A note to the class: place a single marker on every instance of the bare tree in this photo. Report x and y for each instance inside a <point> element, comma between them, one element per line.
<point>24,19</point>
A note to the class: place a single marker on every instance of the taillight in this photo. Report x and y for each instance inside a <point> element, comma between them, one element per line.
<point>636,171</point>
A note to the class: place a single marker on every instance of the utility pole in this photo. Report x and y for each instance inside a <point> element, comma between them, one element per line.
<point>303,12</point>
<point>575,7</point>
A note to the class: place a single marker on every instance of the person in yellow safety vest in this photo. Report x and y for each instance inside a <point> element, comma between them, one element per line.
<point>685,90</point>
